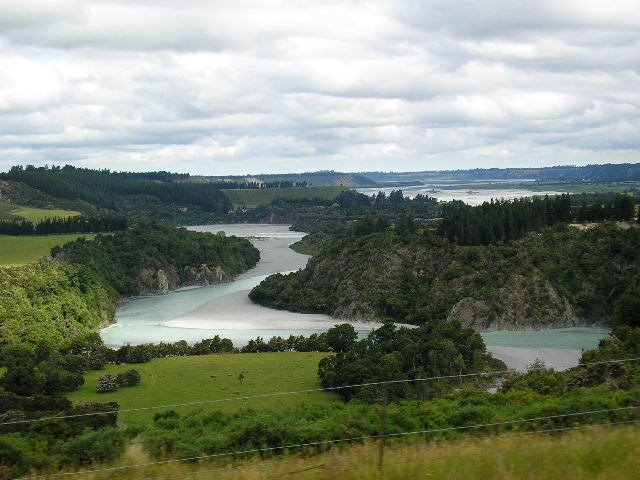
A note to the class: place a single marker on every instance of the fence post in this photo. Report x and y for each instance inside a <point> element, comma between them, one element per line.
<point>383,428</point>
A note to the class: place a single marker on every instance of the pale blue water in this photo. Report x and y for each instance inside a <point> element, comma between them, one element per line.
<point>566,338</point>
<point>140,320</point>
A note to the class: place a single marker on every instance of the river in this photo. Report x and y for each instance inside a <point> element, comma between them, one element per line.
<point>447,193</point>
<point>195,313</point>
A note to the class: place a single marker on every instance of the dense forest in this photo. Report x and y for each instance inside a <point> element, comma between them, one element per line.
<point>503,221</point>
<point>562,276</point>
<point>138,195</point>
<point>152,258</point>
<point>76,224</point>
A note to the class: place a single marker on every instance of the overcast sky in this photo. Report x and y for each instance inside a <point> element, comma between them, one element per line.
<point>236,87</point>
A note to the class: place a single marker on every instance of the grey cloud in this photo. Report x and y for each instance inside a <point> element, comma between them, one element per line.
<point>247,86</point>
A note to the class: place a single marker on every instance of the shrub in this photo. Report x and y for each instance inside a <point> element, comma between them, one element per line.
<point>107,383</point>
<point>129,378</point>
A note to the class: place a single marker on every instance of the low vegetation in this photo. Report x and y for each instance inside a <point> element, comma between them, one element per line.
<point>36,215</point>
<point>22,250</point>
<point>251,198</point>
<point>593,453</point>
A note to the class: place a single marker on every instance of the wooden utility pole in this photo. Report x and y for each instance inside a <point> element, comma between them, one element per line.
<point>383,428</point>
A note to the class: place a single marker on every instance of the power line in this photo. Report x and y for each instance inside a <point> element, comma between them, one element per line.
<point>292,392</point>
<point>339,440</point>
<point>436,442</point>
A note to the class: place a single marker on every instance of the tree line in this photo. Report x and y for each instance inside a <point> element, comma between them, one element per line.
<point>102,187</point>
<point>233,185</point>
<point>506,220</point>
<point>77,224</point>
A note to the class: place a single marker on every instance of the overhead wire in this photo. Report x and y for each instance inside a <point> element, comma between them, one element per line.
<point>333,441</point>
<point>291,392</point>
<point>431,443</point>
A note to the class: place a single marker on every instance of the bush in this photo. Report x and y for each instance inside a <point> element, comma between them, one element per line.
<point>107,383</point>
<point>129,378</point>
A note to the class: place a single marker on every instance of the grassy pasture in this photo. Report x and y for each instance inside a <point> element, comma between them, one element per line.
<point>12,210</point>
<point>594,453</point>
<point>36,214</point>
<point>176,380</point>
<point>251,198</point>
<point>16,250</point>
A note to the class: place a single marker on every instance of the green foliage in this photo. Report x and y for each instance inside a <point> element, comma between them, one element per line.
<point>502,220</point>
<point>416,278</point>
<point>390,353</point>
<point>43,371</point>
<point>627,312</point>
<point>107,383</point>
<point>341,338</point>
<point>51,302</point>
<point>251,198</point>
<point>134,194</point>
<point>118,259</point>
<point>130,378</point>
<point>20,250</point>
<point>69,224</point>
<point>91,447</point>
<point>206,433</point>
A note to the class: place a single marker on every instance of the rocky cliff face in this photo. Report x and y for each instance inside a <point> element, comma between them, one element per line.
<point>562,278</point>
<point>160,281</point>
<point>521,304</point>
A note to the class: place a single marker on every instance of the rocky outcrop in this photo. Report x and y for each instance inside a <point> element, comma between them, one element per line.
<point>522,303</point>
<point>160,281</point>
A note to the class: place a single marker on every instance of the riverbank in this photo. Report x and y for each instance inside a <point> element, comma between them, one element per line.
<point>227,311</point>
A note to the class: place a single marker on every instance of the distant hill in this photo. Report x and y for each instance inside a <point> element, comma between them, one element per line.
<point>181,198</point>
<point>591,173</point>
<point>322,178</point>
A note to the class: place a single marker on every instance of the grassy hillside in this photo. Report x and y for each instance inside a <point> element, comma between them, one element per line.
<point>28,249</point>
<point>51,302</point>
<point>186,379</point>
<point>36,214</point>
<point>594,453</point>
<point>251,198</point>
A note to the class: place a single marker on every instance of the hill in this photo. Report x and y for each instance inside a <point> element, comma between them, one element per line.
<point>623,172</point>
<point>562,276</point>
<point>317,179</point>
<point>54,301</point>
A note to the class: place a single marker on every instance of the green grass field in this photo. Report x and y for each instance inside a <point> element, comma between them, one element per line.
<point>27,249</point>
<point>36,214</point>
<point>10,210</point>
<point>189,379</point>
<point>251,198</point>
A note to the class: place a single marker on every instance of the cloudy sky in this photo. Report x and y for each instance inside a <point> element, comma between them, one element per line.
<point>236,87</point>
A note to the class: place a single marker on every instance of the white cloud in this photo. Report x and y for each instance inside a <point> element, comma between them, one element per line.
<point>246,86</point>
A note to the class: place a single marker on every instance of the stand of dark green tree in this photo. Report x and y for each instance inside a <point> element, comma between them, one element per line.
<point>117,191</point>
<point>560,273</point>
<point>506,220</point>
<point>119,258</point>
<point>48,226</point>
